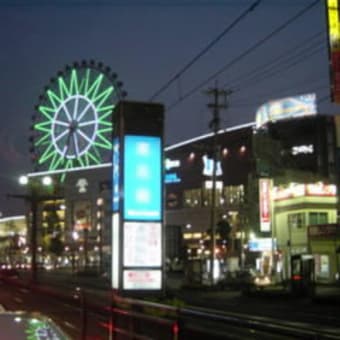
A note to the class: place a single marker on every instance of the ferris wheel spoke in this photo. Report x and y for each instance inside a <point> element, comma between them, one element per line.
<point>76,144</point>
<point>61,135</point>
<point>67,145</point>
<point>89,122</point>
<point>62,123</point>
<point>65,109</point>
<point>75,109</point>
<point>82,114</point>
<point>81,133</point>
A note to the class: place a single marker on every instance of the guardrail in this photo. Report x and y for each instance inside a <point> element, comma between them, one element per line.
<point>201,323</point>
<point>139,319</point>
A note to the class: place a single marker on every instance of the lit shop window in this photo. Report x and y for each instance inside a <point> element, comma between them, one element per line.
<point>318,218</point>
<point>234,195</point>
<point>297,220</point>
<point>207,196</point>
<point>192,198</point>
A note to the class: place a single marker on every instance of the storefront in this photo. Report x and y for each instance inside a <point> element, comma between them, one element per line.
<point>324,244</point>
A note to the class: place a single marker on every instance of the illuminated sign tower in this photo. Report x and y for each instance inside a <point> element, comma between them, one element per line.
<point>137,197</point>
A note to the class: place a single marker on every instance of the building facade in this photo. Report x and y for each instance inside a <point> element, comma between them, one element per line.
<point>297,158</point>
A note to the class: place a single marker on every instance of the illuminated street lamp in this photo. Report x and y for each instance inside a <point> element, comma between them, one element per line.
<point>34,197</point>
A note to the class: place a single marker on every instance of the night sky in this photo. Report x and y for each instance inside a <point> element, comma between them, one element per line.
<point>147,43</point>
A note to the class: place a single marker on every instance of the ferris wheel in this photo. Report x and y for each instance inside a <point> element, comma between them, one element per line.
<point>72,125</point>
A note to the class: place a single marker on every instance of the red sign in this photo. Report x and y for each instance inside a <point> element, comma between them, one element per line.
<point>265,203</point>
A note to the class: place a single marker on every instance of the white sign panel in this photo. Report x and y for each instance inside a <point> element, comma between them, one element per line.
<point>115,251</point>
<point>262,244</point>
<point>290,107</point>
<point>142,244</point>
<point>142,279</point>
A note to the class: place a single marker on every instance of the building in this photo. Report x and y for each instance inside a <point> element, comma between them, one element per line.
<point>13,240</point>
<point>295,159</point>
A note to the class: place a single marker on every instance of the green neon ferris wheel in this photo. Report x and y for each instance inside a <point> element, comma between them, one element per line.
<point>72,126</point>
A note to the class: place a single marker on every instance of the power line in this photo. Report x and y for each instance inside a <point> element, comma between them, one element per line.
<point>287,65</point>
<point>206,49</point>
<point>281,91</point>
<point>245,53</point>
<point>277,59</point>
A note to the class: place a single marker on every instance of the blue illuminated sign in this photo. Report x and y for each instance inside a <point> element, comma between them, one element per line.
<point>172,178</point>
<point>115,175</point>
<point>142,178</point>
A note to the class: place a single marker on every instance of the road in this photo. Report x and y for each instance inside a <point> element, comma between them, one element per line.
<point>274,306</point>
<point>68,316</point>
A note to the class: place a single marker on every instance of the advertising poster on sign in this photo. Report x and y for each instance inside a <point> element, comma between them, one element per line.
<point>142,244</point>
<point>142,279</point>
<point>265,185</point>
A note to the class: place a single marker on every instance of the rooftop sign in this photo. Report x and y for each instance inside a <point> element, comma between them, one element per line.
<point>285,108</point>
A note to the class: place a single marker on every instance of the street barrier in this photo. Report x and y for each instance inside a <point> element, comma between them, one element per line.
<point>129,318</point>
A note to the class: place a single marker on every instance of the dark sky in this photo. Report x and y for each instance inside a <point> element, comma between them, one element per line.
<point>146,43</point>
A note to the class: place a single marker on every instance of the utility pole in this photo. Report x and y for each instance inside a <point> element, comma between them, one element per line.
<point>214,125</point>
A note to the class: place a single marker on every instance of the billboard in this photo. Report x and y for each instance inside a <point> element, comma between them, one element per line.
<point>142,190</point>
<point>285,108</point>
<point>334,47</point>
<point>262,244</point>
<point>142,279</point>
<point>137,198</point>
<point>265,185</point>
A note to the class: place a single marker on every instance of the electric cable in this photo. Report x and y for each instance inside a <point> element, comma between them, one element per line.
<point>206,49</point>
<point>286,66</point>
<point>244,54</point>
<point>277,59</point>
<point>281,91</point>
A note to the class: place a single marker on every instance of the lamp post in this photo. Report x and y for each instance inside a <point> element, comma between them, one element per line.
<point>34,197</point>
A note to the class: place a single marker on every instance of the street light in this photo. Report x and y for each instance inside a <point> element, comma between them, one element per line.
<point>34,197</point>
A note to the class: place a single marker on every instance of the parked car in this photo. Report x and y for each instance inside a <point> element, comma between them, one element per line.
<point>7,271</point>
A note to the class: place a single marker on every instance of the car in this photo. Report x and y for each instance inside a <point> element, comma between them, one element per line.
<point>7,271</point>
<point>262,281</point>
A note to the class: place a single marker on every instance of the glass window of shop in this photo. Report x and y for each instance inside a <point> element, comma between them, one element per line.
<point>318,218</point>
<point>322,266</point>
<point>234,194</point>
<point>82,216</point>
<point>207,196</point>
<point>192,198</point>
<point>297,220</point>
<point>53,219</point>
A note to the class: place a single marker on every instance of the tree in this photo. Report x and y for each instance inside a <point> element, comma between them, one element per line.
<point>223,229</point>
<point>56,245</point>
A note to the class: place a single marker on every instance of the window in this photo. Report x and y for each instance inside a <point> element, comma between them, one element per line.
<point>297,220</point>
<point>192,198</point>
<point>318,218</point>
<point>234,194</point>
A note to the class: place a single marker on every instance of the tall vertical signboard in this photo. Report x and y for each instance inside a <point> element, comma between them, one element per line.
<point>334,47</point>
<point>265,185</point>
<point>137,198</point>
